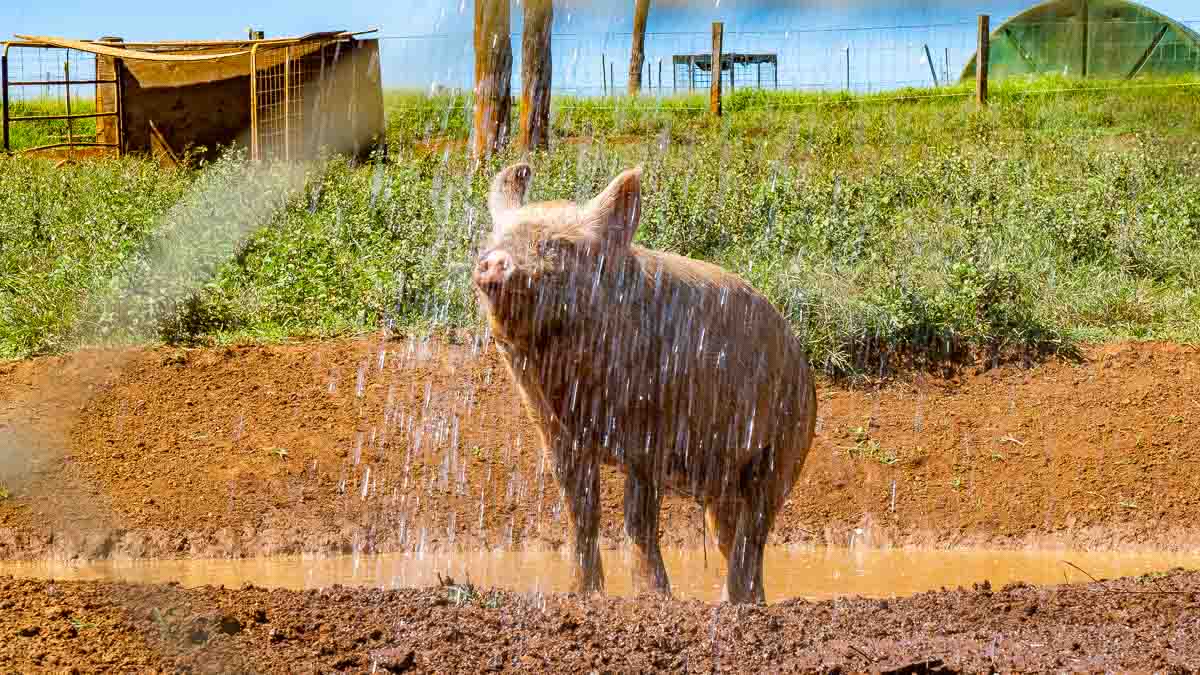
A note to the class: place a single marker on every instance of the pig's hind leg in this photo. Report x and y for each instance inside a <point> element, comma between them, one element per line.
<point>643,500</point>
<point>581,483</point>
<point>741,519</point>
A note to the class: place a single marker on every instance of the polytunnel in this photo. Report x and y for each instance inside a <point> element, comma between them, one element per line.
<point>1091,38</point>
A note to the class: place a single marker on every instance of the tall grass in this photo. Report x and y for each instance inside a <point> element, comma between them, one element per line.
<point>888,231</point>
<point>35,133</point>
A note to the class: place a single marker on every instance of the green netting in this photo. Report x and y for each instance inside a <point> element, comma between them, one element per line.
<point>1091,38</point>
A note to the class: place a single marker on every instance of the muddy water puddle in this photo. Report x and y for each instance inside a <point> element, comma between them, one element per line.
<point>790,572</point>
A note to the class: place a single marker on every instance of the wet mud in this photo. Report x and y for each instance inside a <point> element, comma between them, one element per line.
<point>373,445</point>
<point>395,445</point>
<point>1146,623</point>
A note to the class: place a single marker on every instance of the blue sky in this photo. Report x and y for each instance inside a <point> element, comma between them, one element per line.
<point>876,55</point>
<point>156,19</point>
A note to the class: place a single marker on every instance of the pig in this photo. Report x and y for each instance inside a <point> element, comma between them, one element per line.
<point>673,370</point>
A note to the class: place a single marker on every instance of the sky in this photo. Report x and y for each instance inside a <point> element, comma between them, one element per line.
<point>591,32</point>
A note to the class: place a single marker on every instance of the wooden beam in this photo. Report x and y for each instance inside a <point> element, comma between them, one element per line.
<point>714,95</point>
<point>536,75</point>
<point>493,76</point>
<point>638,54</point>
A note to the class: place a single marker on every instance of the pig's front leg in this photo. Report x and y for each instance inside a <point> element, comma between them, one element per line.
<point>580,480</point>
<point>642,502</point>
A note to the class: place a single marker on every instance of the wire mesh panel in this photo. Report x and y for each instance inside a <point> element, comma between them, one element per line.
<point>314,95</point>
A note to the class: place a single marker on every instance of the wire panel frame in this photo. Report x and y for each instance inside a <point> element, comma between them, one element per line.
<point>55,98</point>
<point>313,96</point>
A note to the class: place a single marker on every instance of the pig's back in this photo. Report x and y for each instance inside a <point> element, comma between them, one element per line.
<point>717,374</point>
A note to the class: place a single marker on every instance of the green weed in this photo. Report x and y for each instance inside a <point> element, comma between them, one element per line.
<point>891,233</point>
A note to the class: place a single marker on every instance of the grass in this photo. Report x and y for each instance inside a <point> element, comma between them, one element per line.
<point>23,135</point>
<point>893,233</point>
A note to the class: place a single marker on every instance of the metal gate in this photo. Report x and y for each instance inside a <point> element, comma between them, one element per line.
<point>107,99</point>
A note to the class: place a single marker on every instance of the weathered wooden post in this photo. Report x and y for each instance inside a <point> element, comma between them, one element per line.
<point>536,71</point>
<point>637,54</point>
<point>493,76</point>
<point>981,61</point>
<point>714,95</point>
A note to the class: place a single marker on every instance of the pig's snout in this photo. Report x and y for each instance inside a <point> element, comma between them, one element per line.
<point>493,269</point>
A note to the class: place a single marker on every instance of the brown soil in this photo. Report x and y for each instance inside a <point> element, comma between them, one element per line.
<point>251,450</point>
<point>1144,624</point>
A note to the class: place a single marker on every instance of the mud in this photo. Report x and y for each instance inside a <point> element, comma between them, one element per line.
<point>808,573</point>
<point>318,448</point>
<point>1147,623</point>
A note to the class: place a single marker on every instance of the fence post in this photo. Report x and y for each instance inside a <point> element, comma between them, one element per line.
<point>603,74</point>
<point>847,69</point>
<point>638,51</point>
<point>714,95</point>
<point>67,81</point>
<point>1086,35</point>
<point>932,68</point>
<point>536,74</point>
<point>981,61</point>
<point>493,76</point>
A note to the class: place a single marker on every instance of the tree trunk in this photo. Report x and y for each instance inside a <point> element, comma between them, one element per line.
<point>493,76</point>
<point>638,55</point>
<point>536,68</point>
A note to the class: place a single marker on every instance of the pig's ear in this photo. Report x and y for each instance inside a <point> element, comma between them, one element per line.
<point>509,189</point>
<point>614,214</point>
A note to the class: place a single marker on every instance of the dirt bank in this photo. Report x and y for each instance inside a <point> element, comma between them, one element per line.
<point>1144,624</point>
<point>376,445</point>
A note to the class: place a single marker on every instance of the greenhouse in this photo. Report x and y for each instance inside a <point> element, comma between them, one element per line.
<point>1091,38</point>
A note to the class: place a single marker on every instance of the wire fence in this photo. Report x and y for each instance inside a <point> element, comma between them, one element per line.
<point>46,66</point>
<point>859,60</point>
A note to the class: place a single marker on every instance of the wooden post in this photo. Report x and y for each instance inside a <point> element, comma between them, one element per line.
<point>493,76</point>
<point>119,76</point>
<point>4,94</point>
<point>536,71</point>
<point>982,55</point>
<point>638,54</point>
<point>67,79</point>
<point>714,95</point>
<point>932,69</point>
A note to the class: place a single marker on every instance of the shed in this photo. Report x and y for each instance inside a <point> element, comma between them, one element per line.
<point>285,98</point>
<point>1090,38</point>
